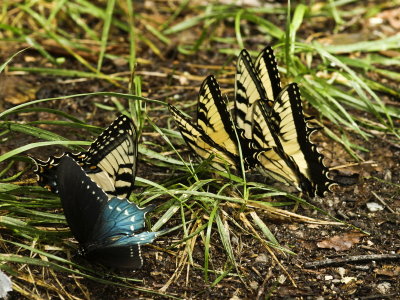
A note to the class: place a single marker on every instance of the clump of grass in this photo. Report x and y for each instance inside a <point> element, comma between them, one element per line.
<point>209,208</point>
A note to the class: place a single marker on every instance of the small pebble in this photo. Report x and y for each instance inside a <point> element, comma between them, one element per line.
<point>254,285</point>
<point>348,279</point>
<point>262,258</point>
<point>373,206</point>
<point>281,279</point>
<point>384,287</point>
<point>341,271</point>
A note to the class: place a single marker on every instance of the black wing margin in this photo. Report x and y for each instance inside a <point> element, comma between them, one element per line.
<point>110,160</point>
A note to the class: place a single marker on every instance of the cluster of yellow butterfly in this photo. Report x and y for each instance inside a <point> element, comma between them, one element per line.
<point>268,131</point>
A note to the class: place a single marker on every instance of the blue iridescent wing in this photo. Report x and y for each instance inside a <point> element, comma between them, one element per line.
<point>120,217</point>
<point>107,229</point>
<point>110,160</point>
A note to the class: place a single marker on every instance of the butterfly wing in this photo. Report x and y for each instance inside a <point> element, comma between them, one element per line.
<point>275,121</point>
<point>274,162</point>
<point>110,160</point>
<point>112,157</point>
<point>267,70</point>
<point>117,229</point>
<point>105,228</point>
<point>81,198</point>
<point>120,217</point>
<point>248,90</point>
<point>122,257</point>
<point>124,252</point>
<point>295,137</point>
<point>214,132</point>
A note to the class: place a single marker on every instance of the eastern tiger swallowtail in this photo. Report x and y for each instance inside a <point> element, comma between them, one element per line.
<point>273,118</point>
<point>214,133</point>
<point>106,228</point>
<point>110,160</point>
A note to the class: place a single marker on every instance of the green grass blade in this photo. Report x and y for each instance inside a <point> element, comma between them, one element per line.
<point>106,30</point>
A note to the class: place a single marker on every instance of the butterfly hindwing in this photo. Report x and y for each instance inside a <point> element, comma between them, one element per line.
<point>106,228</point>
<point>110,160</point>
<point>121,217</point>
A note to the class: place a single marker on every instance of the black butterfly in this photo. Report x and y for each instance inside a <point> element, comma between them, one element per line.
<point>106,228</point>
<point>110,160</point>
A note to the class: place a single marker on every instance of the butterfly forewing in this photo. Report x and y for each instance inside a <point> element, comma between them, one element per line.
<point>248,90</point>
<point>82,199</point>
<point>213,116</point>
<point>198,140</point>
<point>275,162</point>
<point>267,70</point>
<point>214,132</point>
<point>110,160</point>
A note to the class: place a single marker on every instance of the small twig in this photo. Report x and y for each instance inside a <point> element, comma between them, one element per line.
<point>350,259</point>
<point>383,202</point>
<point>348,165</point>
<point>261,290</point>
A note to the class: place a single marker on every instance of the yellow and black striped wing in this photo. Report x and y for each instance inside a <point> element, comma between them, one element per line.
<point>115,153</point>
<point>295,138</point>
<point>275,162</point>
<point>214,133</point>
<point>110,160</point>
<point>248,90</point>
<point>267,70</point>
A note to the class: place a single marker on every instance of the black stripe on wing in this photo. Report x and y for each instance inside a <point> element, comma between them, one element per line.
<point>248,90</point>
<point>295,137</point>
<point>267,70</point>
<point>214,133</point>
<point>200,142</point>
<point>110,160</point>
<point>294,159</point>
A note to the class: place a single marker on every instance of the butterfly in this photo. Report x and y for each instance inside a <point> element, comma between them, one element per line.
<point>110,160</point>
<point>273,118</point>
<point>214,133</point>
<point>105,227</point>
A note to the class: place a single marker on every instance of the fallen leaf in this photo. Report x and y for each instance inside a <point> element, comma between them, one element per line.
<point>17,90</point>
<point>392,271</point>
<point>341,242</point>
